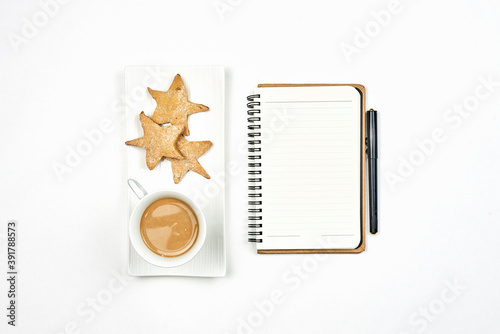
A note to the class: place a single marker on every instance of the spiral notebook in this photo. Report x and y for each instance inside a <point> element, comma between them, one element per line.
<point>306,168</point>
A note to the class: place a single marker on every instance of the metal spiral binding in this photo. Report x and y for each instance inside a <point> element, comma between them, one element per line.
<point>254,169</point>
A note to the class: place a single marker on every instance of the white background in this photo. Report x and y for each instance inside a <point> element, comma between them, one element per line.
<point>438,224</point>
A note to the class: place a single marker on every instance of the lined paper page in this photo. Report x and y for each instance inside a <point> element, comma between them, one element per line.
<point>311,167</point>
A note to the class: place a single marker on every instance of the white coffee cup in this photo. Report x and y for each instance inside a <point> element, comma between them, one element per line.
<point>135,222</point>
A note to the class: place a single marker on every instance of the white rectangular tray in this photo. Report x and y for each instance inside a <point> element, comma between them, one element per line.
<point>205,85</point>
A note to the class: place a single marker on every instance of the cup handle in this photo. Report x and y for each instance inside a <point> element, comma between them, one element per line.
<point>137,188</point>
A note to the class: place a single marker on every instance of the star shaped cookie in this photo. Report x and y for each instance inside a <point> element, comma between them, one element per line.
<point>173,106</point>
<point>191,150</point>
<point>158,141</point>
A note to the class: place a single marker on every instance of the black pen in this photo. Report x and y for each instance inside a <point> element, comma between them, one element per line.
<point>372,169</point>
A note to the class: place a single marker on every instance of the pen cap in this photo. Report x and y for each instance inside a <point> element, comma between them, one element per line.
<point>372,134</point>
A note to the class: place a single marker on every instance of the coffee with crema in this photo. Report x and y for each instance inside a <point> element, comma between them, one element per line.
<point>169,227</point>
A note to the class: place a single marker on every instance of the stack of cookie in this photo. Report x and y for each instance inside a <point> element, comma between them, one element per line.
<point>168,141</point>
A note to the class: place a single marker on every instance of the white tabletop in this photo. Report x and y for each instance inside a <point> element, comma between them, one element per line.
<point>431,69</point>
